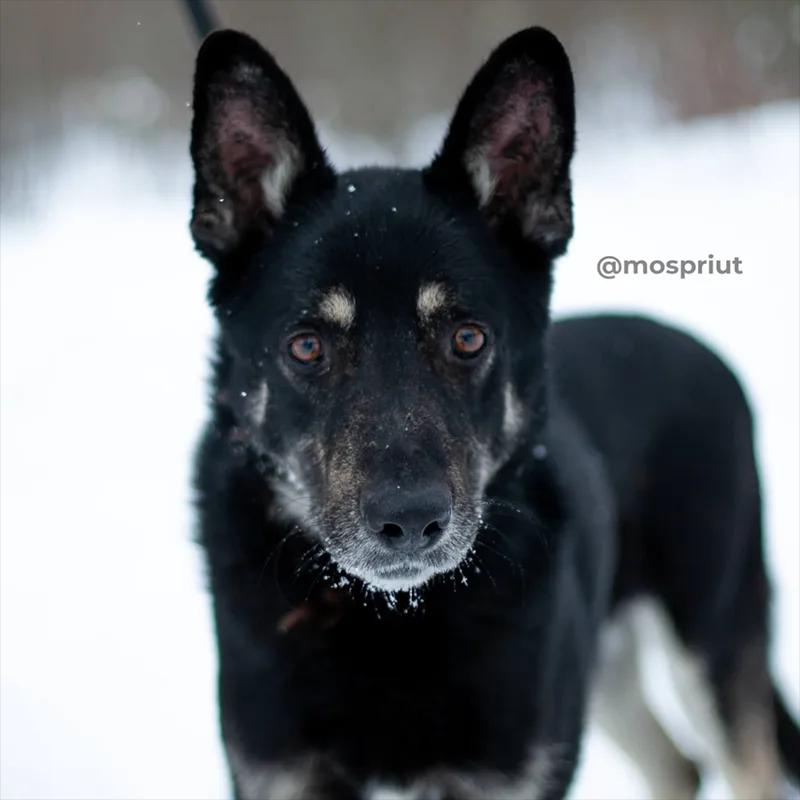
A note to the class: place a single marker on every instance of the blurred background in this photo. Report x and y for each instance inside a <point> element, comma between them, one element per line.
<point>689,145</point>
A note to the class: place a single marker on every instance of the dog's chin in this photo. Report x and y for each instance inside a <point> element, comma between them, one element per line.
<point>400,576</point>
<point>399,579</point>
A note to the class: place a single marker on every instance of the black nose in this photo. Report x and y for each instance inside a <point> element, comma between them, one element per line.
<point>407,519</point>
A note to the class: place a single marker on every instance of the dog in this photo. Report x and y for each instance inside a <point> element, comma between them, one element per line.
<point>437,526</point>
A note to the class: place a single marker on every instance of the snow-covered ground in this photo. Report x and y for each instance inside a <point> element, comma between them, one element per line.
<point>107,653</point>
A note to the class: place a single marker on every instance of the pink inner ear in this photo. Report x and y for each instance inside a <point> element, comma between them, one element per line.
<point>520,139</point>
<point>245,150</point>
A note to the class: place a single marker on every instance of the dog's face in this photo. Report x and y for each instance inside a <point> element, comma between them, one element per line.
<point>382,330</point>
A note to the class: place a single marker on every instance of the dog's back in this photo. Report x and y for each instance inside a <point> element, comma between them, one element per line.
<point>675,433</point>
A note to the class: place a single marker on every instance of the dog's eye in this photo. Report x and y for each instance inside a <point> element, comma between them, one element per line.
<point>306,348</point>
<point>468,341</point>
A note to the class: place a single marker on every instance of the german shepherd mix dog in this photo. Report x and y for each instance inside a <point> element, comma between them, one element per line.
<point>435,522</point>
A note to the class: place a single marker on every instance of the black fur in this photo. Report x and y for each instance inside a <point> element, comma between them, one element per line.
<point>583,463</point>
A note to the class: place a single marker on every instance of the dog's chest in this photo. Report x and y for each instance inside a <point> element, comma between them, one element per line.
<point>410,688</point>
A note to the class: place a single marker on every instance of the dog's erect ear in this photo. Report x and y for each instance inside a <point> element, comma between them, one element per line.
<point>511,140</point>
<point>253,144</point>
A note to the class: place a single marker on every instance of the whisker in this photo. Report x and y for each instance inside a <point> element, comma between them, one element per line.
<point>497,506</point>
<point>308,558</point>
<point>492,549</point>
<point>275,552</point>
<point>503,509</point>
<point>321,568</point>
<point>480,565</point>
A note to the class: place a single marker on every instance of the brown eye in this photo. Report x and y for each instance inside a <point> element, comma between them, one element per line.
<point>306,348</point>
<point>468,341</point>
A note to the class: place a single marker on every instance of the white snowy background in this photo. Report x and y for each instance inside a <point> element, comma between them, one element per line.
<point>107,658</point>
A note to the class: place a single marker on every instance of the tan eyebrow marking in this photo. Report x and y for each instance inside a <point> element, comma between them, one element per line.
<point>338,307</point>
<point>432,298</point>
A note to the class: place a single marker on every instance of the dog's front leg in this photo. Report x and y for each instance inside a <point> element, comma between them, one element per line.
<point>302,777</point>
<point>545,775</point>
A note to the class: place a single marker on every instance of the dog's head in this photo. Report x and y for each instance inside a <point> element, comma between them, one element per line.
<point>382,330</point>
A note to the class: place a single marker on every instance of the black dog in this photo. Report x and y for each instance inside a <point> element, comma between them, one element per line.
<point>420,502</point>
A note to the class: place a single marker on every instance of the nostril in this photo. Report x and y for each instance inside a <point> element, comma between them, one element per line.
<point>431,534</point>
<point>410,520</point>
<point>391,531</point>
